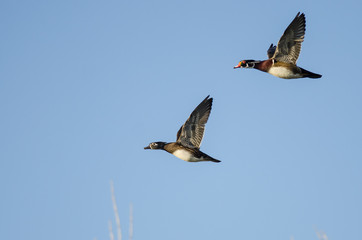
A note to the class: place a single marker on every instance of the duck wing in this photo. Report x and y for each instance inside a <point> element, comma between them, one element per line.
<point>271,51</point>
<point>290,43</point>
<point>192,132</point>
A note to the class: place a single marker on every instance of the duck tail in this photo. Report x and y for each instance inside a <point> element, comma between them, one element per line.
<point>213,160</point>
<point>310,74</point>
<point>207,158</point>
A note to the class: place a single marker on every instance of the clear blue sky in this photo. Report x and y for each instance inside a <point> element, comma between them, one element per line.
<point>85,85</point>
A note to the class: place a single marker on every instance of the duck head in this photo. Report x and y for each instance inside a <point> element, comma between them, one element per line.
<point>246,64</point>
<point>156,145</point>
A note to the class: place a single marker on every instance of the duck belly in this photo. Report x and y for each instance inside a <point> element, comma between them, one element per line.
<point>185,155</point>
<point>283,72</point>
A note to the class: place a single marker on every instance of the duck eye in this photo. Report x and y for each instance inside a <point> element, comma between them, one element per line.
<point>243,62</point>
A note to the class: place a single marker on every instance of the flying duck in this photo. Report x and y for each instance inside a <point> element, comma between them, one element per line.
<point>189,137</point>
<point>282,58</point>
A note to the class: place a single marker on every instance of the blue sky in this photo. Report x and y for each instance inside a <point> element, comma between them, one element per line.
<point>85,85</point>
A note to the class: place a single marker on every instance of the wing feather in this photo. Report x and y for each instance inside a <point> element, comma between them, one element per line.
<point>290,43</point>
<point>192,132</point>
<point>271,51</point>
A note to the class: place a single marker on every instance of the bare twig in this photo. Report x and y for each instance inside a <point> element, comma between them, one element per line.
<point>111,236</point>
<point>130,221</point>
<point>115,209</point>
<point>321,235</point>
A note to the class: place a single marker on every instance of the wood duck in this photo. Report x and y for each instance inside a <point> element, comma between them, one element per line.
<point>189,136</point>
<point>283,57</point>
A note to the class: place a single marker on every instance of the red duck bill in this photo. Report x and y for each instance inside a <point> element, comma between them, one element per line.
<point>238,66</point>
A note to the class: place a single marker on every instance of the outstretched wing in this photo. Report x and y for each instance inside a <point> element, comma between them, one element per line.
<point>290,43</point>
<point>271,51</point>
<point>192,132</point>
